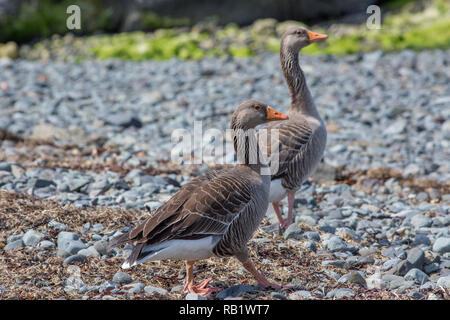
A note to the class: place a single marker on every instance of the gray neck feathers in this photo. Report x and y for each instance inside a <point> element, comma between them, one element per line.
<point>301,99</point>
<point>246,146</point>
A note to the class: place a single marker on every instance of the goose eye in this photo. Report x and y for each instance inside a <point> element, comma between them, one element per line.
<point>257,108</point>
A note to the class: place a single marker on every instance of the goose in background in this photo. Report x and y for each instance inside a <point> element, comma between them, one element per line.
<point>302,139</point>
<point>213,214</point>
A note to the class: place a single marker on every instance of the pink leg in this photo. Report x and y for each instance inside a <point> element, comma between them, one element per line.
<point>260,278</point>
<point>191,287</point>
<point>291,198</point>
<point>276,208</point>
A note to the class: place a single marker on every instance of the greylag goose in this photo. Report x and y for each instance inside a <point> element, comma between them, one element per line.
<point>303,137</point>
<point>213,214</point>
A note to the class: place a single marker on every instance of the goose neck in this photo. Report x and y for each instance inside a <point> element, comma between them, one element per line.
<point>247,148</point>
<point>301,99</point>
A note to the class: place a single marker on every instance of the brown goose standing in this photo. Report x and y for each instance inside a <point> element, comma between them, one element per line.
<point>303,137</point>
<point>213,214</point>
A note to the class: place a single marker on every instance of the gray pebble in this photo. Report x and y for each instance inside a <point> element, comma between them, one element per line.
<point>416,257</point>
<point>340,293</point>
<point>89,252</point>
<point>193,296</point>
<point>32,237</point>
<point>46,244</point>
<point>133,288</point>
<point>353,277</point>
<point>312,235</point>
<point>75,258</point>
<point>444,282</point>
<point>442,245</point>
<point>416,275</point>
<point>236,291</point>
<point>416,295</point>
<point>102,247</point>
<point>97,227</point>
<point>428,286</point>
<point>57,225</point>
<point>14,245</point>
<point>335,243</point>
<point>277,295</point>
<point>122,278</point>
<point>293,232</point>
<point>310,245</point>
<point>300,295</point>
<point>421,239</point>
<point>14,237</point>
<point>149,290</point>
<point>420,221</point>
<point>107,286</point>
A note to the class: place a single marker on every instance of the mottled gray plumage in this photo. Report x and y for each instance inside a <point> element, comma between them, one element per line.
<point>225,206</point>
<point>302,138</point>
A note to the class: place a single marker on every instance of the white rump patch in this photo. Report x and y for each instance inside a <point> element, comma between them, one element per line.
<point>178,250</point>
<point>277,191</point>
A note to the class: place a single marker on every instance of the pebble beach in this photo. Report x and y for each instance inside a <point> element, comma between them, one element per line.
<point>86,151</point>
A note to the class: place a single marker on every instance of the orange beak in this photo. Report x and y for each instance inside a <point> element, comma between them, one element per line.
<point>316,37</point>
<point>273,115</point>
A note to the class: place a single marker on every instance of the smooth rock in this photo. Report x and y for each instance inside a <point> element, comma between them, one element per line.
<point>89,252</point>
<point>102,247</point>
<point>335,243</point>
<point>45,244</point>
<point>401,268</point>
<point>444,282</point>
<point>133,288</point>
<point>416,295</point>
<point>421,239</point>
<point>310,245</point>
<point>32,237</point>
<point>236,291</point>
<point>122,278</point>
<point>312,235</point>
<point>14,245</point>
<point>416,257</point>
<point>416,275</point>
<point>75,258</point>
<point>300,295</point>
<point>340,293</point>
<point>277,295</point>
<point>421,221</point>
<point>70,246</point>
<point>428,286</point>
<point>57,225</point>
<point>149,290</point>
<point>193,296</point>
<point>73,284</point>
<point>293,232</point>
<point>375,281</point>
<point>353,277</point>
<point>442,245</point>
<point>14,237</point>
<point>107,287</point>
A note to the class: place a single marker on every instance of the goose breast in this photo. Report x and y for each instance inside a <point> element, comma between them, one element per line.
<point>294,155</point>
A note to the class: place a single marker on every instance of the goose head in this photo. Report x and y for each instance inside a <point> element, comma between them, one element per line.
<point>297,38</point>
<point>252,113</point>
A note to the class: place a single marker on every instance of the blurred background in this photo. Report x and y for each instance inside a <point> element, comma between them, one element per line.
<point>193,29</point>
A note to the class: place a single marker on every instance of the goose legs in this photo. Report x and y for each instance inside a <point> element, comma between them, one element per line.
<point>200,289</point>
<point>260,278</point>
<point>284,223</point>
